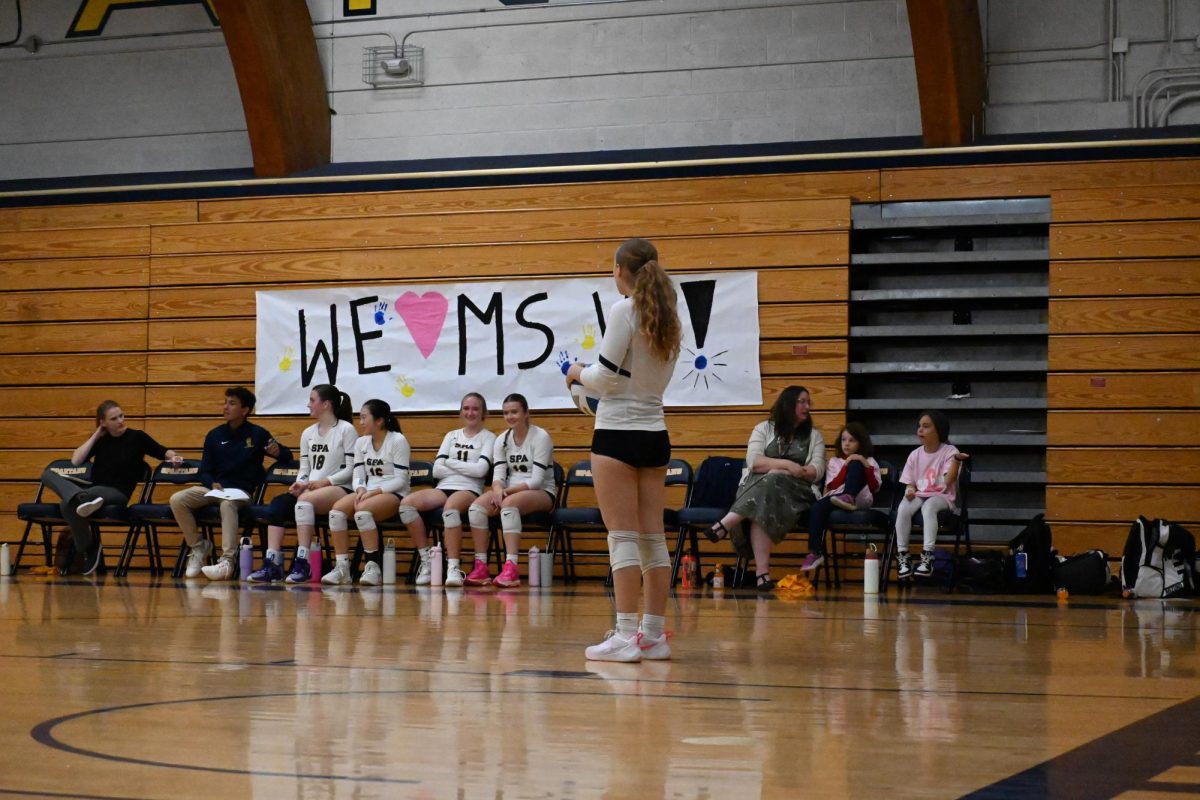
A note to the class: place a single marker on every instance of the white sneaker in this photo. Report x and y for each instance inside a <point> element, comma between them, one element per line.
<point>615,647</point>
<point>221,571</point>
<point>454,577</point>
<point>372,575</point>
<point>197,558</point>
<point>339,575</point>
<point>654,649</point>
<point>425,573</point>
<point>85,510</point>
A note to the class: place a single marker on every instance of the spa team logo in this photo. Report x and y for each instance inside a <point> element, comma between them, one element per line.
<point>93,15</point>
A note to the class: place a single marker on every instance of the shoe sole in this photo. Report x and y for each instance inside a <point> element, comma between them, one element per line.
<point>591,657</point>
<point>85,510</point>
<point>453,584</point>
<point>646,657</point>
<point>471,582</point>
<point>90,568</point>
<point>507,584</point>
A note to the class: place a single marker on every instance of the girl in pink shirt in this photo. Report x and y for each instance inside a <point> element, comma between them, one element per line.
<point>930,477</point>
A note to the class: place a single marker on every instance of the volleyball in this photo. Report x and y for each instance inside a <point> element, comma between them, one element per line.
<point>584,399</point>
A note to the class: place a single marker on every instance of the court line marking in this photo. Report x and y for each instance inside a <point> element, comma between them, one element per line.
<point>72,795</point>
<point>533,675</point>
<point>44,732</point>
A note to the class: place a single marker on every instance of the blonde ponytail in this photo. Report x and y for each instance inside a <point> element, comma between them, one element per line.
<point>653,298</point>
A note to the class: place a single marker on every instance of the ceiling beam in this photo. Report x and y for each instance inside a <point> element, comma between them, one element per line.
<point>951,83</point>
<point>279,75</point>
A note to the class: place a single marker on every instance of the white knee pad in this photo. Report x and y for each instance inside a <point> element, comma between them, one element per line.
<point>338,521</point>
<point>364,520</point>
<point>478,517</point>
<point>305,514</point>
<point>451,518</point>
<point>510,520</point>
<point>652,547</point>
<point>409,515</point>
<point>623,549</point>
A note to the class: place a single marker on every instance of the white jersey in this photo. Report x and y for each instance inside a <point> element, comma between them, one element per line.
<point>463,462</point>
<point>528,463</point>
<point>629,378</point>
<point>330,456</point>
<point>385,469</point>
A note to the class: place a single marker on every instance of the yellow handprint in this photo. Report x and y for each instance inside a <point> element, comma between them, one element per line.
<point>589,337</point>
<point>285,361</point>
<point>405,386</point>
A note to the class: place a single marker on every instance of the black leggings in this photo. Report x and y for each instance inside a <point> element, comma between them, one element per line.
<point>818,515</point>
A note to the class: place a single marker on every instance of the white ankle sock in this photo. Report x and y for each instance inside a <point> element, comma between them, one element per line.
<point>627,623</point>
<point>513,559</point>
<point>452,563</point>
<point>653,626</point>
<point>301,552</point>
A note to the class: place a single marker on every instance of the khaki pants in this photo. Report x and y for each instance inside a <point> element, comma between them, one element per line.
<point>185,502</point>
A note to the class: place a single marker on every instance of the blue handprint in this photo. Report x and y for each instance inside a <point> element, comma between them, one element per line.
<point>381,316</point>
<point>565,361</point>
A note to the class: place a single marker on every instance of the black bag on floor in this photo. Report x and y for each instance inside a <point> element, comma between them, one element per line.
<point>981,573</point>
<point>1159,560</point>
<point>1030,559</point>
<point>1086,573</point>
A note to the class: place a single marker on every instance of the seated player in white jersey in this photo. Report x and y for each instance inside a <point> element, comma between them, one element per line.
<point>522,483</point>
<point>461,468</point>
<point>326,467</point>
<point>380,479</point>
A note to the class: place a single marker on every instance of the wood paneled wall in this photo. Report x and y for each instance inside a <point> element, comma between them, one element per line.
<point>152,304</point>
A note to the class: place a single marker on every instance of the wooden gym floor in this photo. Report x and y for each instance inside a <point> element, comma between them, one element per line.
<point>163,689</point>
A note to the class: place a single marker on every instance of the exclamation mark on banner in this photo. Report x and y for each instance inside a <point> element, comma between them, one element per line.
<point>698,296</point>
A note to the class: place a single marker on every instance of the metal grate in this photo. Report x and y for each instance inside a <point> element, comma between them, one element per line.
<point>374,72</point>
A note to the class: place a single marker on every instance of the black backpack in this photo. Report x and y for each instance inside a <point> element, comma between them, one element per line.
<point>981,573</point>
<point>1086,573</point>
<point>1159,560</point>
<point>1030,560</point>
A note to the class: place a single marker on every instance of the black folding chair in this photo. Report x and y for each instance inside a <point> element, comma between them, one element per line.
<point>567,520</point>
<point>45,514</point>
<point>709,499</point>
<point>148,516</point>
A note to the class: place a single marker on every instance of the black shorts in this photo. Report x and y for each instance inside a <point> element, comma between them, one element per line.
<point>639,449</point>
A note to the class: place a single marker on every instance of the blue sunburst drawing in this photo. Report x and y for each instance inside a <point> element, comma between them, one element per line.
<point>704,367</point>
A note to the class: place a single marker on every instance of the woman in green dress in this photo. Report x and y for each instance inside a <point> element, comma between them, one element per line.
<point>785,461</point>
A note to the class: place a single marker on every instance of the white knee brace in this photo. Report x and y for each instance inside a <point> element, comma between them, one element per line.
<point>305,514</point>
<point>510,520</point>
<point>652,547</point>
<point>623,549</point>
<point>451,518</point>
<point>478,517</point>
<point>338,521</point>
<point>364,520</point>
<point>409,515</point>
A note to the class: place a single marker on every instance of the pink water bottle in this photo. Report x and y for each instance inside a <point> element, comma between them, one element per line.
<point>436,571</point>
<point>314,562</point>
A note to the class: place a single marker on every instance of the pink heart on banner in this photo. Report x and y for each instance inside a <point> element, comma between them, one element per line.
<point>424,315</point>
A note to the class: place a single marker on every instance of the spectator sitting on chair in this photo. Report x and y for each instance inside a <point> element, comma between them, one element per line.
<point>233,459</point>
<point>784,463</point>
<point>851,479</point>
<point>118,454</point>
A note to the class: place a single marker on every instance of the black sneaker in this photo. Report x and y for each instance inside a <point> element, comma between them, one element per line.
<point>925,567</point>
<point>93,557</point>
<point>904,568</point>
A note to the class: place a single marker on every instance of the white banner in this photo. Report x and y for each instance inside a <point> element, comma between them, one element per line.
<point>421,348</point>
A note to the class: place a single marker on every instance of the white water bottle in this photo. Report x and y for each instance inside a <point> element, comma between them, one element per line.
<point>871,571</point>
<point>5,566</point>
<point>389,561</point>
<point>535,567</point>
<point>436,571</point>
<point>546,567</point>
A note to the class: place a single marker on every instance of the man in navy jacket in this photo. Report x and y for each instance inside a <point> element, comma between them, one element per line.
<point>233,459</point>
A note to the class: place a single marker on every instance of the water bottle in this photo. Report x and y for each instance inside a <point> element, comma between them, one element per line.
<point>546,567</point>
<point>437,572</point>
<point>246,559</point>
<point>5,566</point>
<point>535,569</point>
<point>314,562</point>
<point>718,577</point>
<point>689,572</point>
<point>389,561</point>
<point>871,571</point>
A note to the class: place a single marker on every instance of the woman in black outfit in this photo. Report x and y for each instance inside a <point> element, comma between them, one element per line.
<point>117,453</point>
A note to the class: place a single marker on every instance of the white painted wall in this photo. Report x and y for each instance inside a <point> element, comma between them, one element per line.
<point>628,75</point>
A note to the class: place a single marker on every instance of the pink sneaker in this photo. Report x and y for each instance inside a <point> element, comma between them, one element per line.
<point>479,576</point>
<point>811,562</point>
<point>509,577</point>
